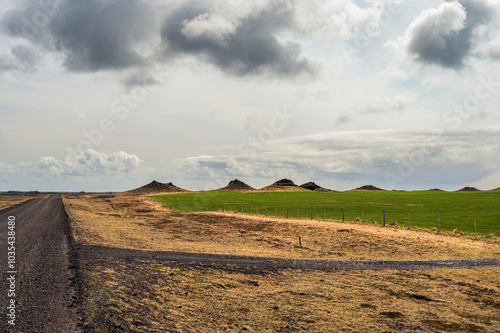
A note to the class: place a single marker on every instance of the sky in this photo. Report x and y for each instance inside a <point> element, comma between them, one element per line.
<point>107,95</point>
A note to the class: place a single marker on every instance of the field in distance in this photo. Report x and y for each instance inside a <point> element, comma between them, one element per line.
<point>457,211</point>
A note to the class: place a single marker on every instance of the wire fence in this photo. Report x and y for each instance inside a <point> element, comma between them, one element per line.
<point>433,222</point>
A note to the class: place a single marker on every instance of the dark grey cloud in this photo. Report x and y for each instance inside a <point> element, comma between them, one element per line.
<point>245,47</point>
<point>92,35</point>
<point>445,36</point>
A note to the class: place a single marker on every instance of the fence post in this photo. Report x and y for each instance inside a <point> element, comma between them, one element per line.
<point>408,221</point>
<point>257,210</point>
<point>212,208</point>
<point>266,211</point>
<point>287,213</point>
<point>439,225</point>
<point>325,214</point>
<point>343,219</point>
<point>363,216</point>
<point>475,227</point>
<point>249,210</point>
<point>311,213</point>
<point>384,217</point>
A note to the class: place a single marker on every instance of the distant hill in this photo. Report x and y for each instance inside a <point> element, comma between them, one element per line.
<point>469,189</point>
<point>437,189</point>
<point>155,187</point>
<point>236,186</point>
<point>368,188</point>
<point>312,186</point>
<point>283,185</point>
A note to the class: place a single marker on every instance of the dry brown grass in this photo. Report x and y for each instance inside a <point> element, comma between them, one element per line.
<point>11,200</point>
<point>150,297</point>
<point>138,223</point>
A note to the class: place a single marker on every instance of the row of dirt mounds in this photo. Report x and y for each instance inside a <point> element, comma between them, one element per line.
<point>155,187</point>
<point>283,185</point>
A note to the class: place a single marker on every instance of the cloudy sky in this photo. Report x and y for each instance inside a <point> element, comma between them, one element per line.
<point>107,95</point>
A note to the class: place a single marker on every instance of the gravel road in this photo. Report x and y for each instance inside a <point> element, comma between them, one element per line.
<point>45,276</point>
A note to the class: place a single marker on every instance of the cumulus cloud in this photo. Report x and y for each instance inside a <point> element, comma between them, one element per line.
<point>248,45</point>
<point>91,35</point>
<point>446,36</point>
<point>91,170</point>
<point>91,163</point>
<point>252,38</point>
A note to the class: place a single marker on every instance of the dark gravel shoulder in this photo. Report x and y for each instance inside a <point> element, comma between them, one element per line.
<point>45,275</point>
<point>259,265</point>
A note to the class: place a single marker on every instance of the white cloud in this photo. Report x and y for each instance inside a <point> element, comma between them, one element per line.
<point>208,25</point>
<point>91,167</point>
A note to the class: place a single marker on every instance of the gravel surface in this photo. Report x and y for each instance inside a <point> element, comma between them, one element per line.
<point>45,278</point>
<point>258,264</point>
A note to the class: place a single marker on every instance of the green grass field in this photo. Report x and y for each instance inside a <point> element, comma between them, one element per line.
<point>456,210</point>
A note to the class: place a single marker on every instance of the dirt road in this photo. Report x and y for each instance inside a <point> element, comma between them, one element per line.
<point>41,279</point>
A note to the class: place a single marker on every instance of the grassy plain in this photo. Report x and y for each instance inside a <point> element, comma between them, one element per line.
<point>456,210</point>
<point>154,296</point>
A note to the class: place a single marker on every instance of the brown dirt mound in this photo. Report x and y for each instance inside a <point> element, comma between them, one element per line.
<point>368,188</point>
<point>469,189</point>
<point>236,186</point>
<point>155,187</point>
<point>314,187</point>
<point>283,185</point>
<point>310,186</point>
